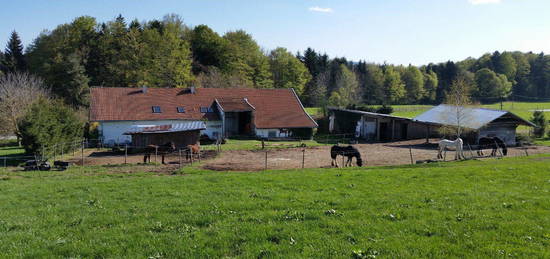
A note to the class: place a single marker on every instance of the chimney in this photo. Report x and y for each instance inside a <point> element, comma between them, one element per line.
<point>144,89</point>
<point>192,89</point>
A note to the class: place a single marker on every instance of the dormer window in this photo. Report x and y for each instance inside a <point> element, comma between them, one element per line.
<point>180,109</point>
<point>156,109</point>
<point>206,109</point>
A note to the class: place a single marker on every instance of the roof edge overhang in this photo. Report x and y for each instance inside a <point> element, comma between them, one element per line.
<point>304,110</point>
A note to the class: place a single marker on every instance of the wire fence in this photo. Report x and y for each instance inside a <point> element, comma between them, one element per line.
<point>266,154</point>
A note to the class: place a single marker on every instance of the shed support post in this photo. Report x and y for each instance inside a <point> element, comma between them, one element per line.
<point>392,130</point>
<point>377,129</point>
<point>427,134</point>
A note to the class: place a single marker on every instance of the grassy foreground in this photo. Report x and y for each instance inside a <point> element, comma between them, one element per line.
<point>491,208</point>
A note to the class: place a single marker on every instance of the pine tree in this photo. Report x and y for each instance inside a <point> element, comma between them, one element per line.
<point>14,60</point>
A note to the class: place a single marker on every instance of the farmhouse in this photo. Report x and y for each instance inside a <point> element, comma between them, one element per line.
<point>479,122</point>
<point>125,112</point>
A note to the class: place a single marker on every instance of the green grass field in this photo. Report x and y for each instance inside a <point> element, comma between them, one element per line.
<point>522,109</point>
<point>491,208</point>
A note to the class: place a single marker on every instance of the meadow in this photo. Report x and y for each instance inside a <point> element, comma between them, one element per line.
<point>522,109</point>
<point>489,208</point>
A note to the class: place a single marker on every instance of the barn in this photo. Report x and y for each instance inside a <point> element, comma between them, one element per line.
<point>480,122</point>
<point>372,126</point>
<point>265,113</point>
<point>181,134</point>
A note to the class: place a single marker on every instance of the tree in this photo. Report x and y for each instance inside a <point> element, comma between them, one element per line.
<point>540,75</point>
<point>17,92</point>
<point>458,97</point>
<point>540,121</point>
<point>61,57</point>
<point>393,86</point>
<point>374,85</point>
<point>209,49</point>
<point>414,84</point>
<point>288,71</point>
<point>491,85</point>
<point>247,59</point>
<point>48,123</point>
<point>346,91</point>
<point>318,92</point>
<point>430,86</point>
<point>14,60</point>
<point>505,64</point>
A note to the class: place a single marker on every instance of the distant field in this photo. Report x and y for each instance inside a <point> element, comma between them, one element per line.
<point>483,209</point>
<point>522,109</point>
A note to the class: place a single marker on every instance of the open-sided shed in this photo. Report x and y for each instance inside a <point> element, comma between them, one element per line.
<point>181,134</point>
<point>480,122</point>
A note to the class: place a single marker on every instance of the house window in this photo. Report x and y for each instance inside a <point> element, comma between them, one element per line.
<point>206,109</point>
<point>181,109</point>
<point>156,109</point>
<point>272,134</point>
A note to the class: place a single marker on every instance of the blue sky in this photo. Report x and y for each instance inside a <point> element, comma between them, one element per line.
<point>393,31</point>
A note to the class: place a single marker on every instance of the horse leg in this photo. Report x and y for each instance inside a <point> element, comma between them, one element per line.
<point>162,158</point>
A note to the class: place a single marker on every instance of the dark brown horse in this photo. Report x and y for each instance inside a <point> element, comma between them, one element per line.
<point>350,152</point>
<point>162,150</point>
<point>493,143</point>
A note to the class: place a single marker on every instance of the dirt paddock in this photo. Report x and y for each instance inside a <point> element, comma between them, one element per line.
<point>394,153</point>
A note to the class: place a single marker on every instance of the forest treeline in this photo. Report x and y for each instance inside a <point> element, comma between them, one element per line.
<point>167,53</point>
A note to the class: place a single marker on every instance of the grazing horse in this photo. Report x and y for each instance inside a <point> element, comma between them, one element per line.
<point>350,152</point>
<point>457,144</point>
<point>192,149</point>
<point>493,143</point>
<point>158,149</point>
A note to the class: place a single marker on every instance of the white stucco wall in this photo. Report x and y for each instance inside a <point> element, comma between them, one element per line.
<point>112,131</point>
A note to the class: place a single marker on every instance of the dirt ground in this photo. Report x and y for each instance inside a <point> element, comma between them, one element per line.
<point>394,153</point>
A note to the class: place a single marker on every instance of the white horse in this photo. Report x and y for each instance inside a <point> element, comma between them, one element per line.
<point>457,145</point>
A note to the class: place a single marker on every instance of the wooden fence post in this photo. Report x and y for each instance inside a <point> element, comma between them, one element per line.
<point>471,152</point>
<point>54,151</point>
<point>156,153</point>
<point>125,153</point>
<point>82,153</point>
<point>5,162</point>
<point>411,154</point>
<point>265,160</point>
<point>181,163</point>
<point>303,158</point>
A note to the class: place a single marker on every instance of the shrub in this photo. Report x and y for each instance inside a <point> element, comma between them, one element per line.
<point>384,109</point>
<point>541,122</point>
<point>48,123</point>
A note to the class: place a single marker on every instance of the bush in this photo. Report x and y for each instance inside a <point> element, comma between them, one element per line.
<point>541,122</point>
<point>384,109</point>
<point>48,123</point>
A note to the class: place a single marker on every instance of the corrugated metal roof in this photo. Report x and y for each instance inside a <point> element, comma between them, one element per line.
<point>473,118</point>
<point>178,127</point>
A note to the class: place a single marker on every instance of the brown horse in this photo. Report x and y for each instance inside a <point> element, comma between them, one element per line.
<point>162,150</point>
<point>192,149</point>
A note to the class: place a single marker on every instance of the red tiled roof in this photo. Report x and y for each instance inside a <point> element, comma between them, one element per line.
<point>274,108</point>
<point>234,104</point>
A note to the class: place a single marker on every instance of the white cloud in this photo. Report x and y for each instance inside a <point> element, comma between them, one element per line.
<point>321,9</point>
<point>478,2</point>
